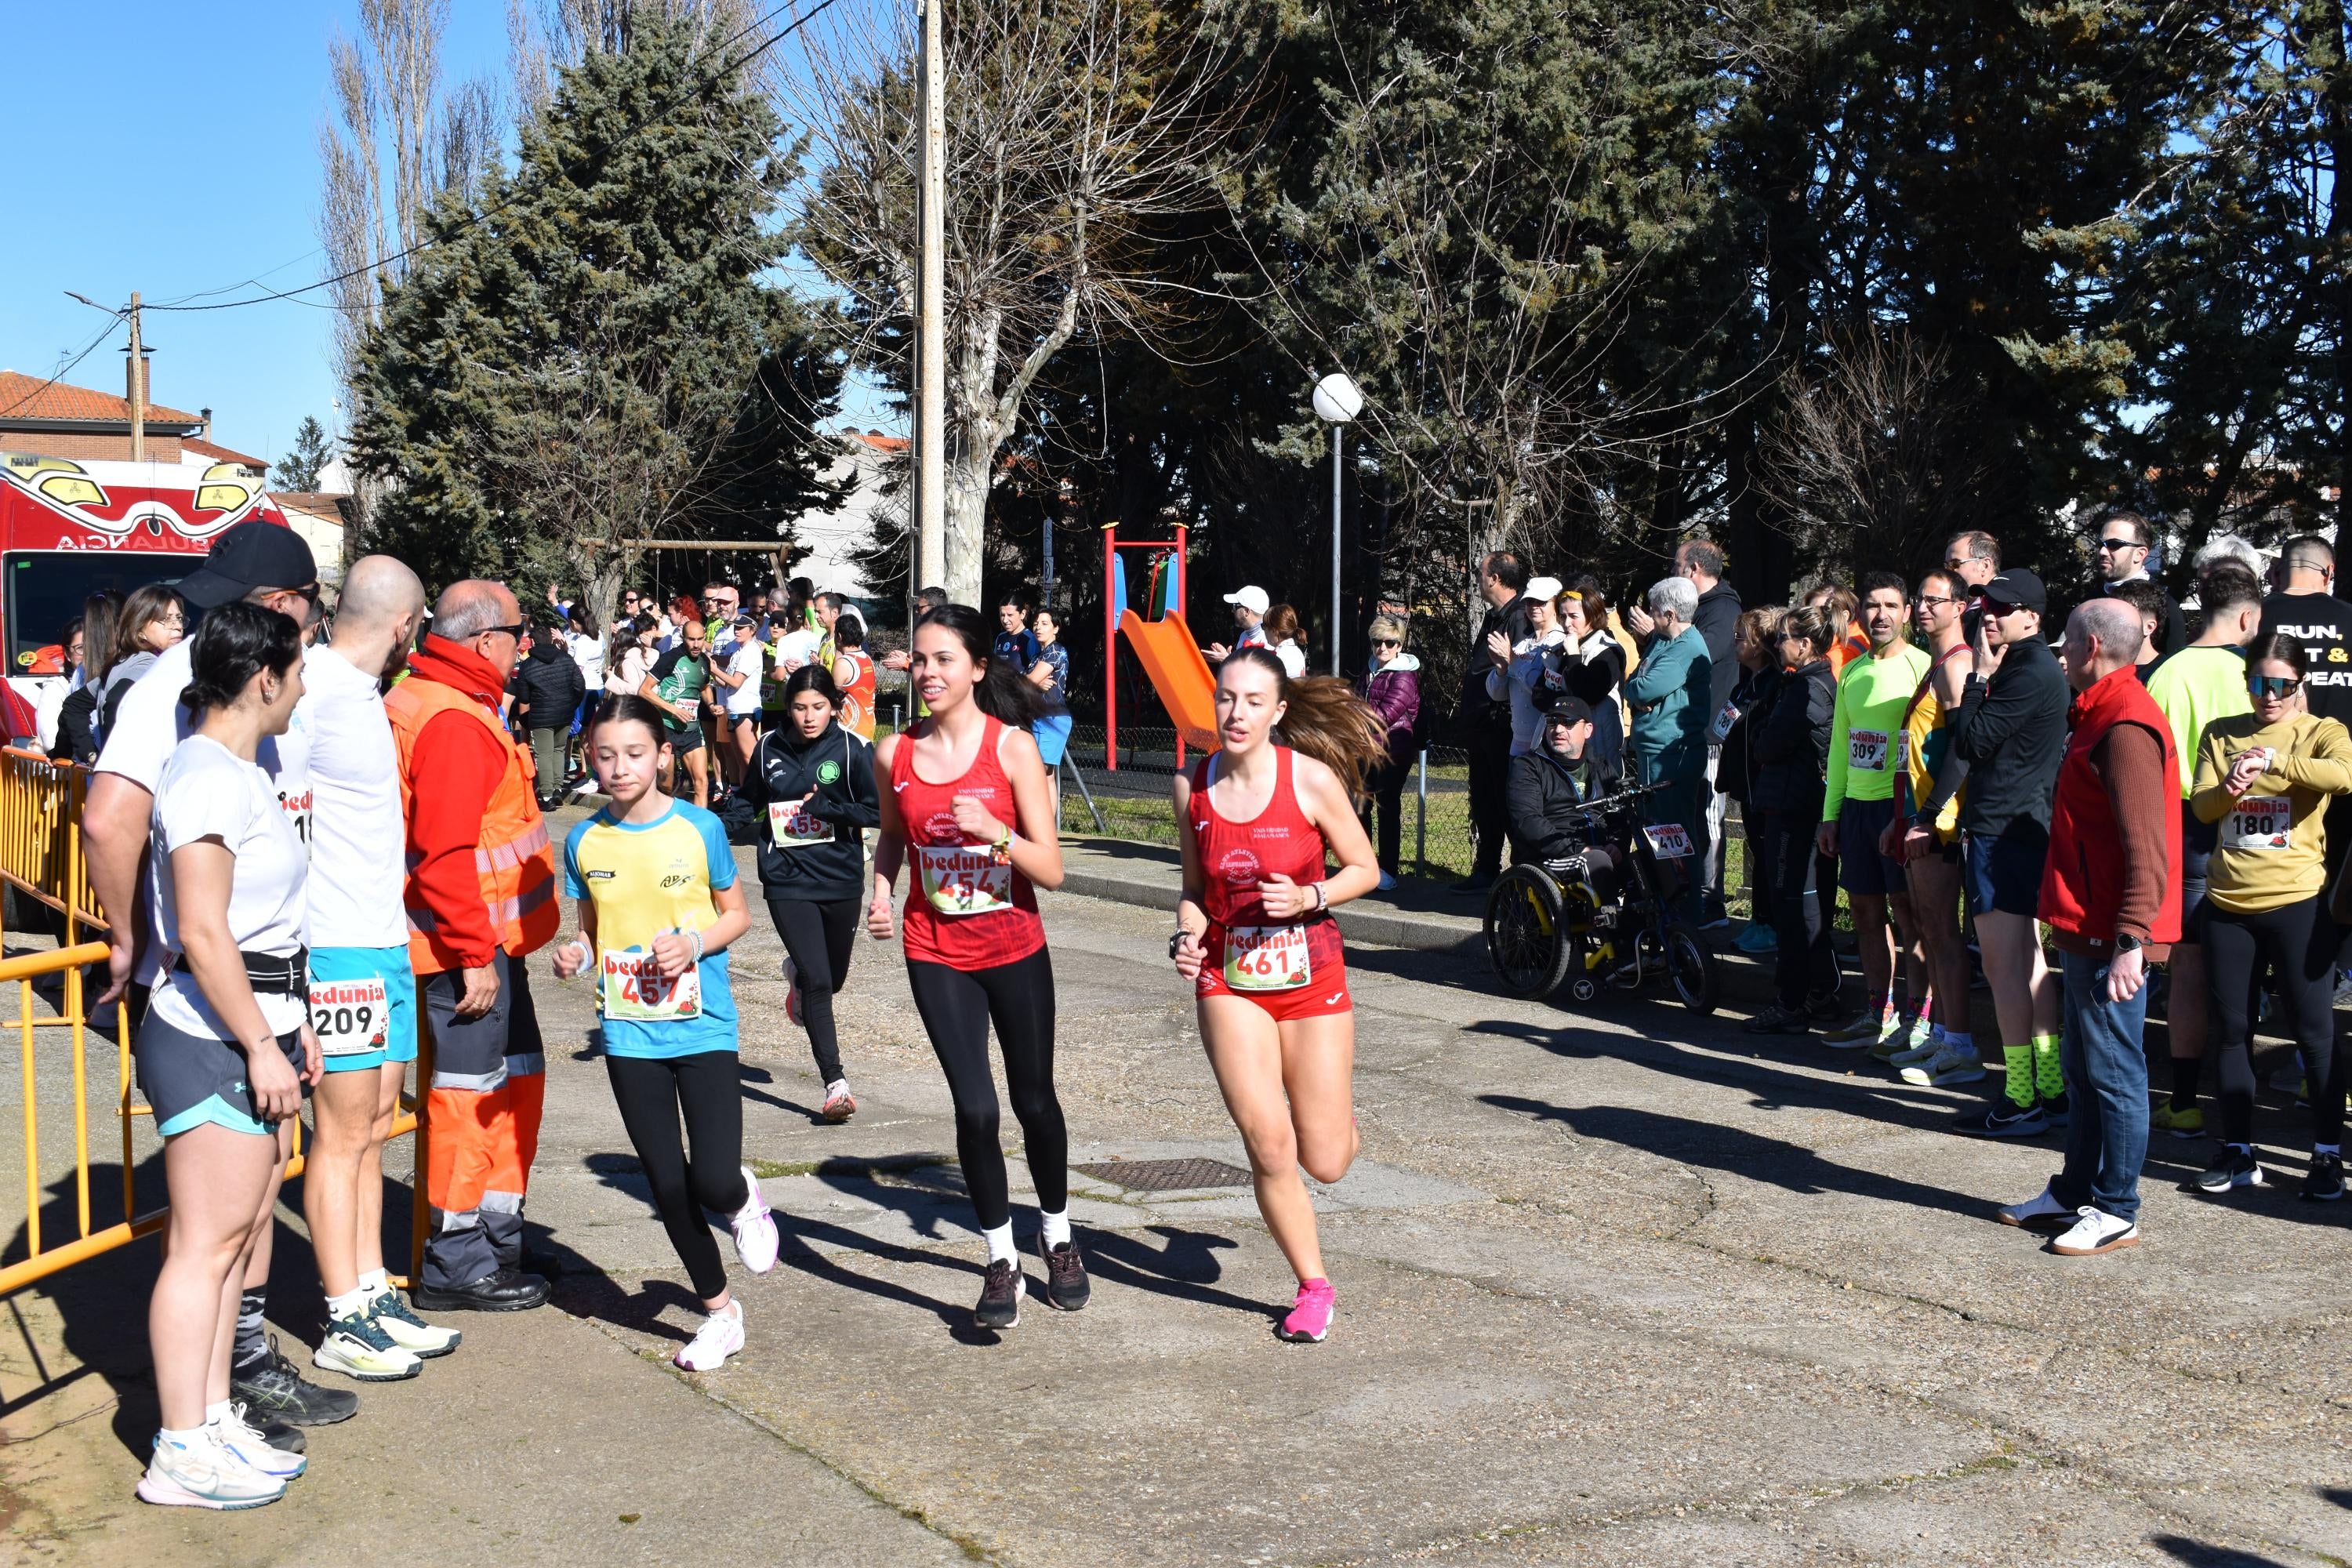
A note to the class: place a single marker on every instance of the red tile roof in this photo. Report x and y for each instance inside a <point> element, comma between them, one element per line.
<point>26,396</point>
<point>219,454</point>
<point>879,441</point>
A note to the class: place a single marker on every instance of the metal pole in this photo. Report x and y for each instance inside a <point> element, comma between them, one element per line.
<point>1420,818</point>
<point>139,387</point>
<point>931,354</point>
<point>1335,548</point>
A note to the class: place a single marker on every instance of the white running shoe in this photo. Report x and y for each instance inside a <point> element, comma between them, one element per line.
<point>721,1336</point>
<point>203,1475</point>
<point>2095,1232</point>
<point>2038,1213</point>
<point>243,1441</point>
<point>1951,1065</point>
<point>756,1241</point>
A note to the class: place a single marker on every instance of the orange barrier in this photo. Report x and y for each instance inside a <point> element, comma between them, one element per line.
<point>40,837</point>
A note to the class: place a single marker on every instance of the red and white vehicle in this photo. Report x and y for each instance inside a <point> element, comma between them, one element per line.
<point>69,527</point>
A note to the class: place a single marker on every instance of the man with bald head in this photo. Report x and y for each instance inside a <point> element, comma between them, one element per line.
<point>2111,901</point>
<point>362,990</point>
<point>480,894</point>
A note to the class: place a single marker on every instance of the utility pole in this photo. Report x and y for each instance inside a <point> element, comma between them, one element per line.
<point>931,327</point>
<point>138,388</point>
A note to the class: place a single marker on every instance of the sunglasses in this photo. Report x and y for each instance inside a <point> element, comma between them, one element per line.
<point>1386,642</point>
<point>2120,543</point>
<point>2273,685</point>
<point>514,631</point>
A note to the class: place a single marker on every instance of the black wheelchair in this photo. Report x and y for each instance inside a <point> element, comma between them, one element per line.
<point>1600,916</point>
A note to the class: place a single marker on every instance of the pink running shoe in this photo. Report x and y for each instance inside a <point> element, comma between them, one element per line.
<point>1311,1315</point>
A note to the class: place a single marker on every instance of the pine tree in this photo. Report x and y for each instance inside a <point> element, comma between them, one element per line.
<point>297,471</point>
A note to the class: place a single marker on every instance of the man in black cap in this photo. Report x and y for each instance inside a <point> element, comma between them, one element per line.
<point>264,564</point>
<point>1549,785</point>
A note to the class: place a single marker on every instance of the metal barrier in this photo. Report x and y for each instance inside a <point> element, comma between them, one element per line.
<point>41,857</point>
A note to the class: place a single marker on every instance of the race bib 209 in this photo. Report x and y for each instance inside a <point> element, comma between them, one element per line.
<point>349,1016</point>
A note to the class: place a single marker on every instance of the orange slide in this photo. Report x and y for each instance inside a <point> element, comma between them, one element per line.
<point>1172,660</point>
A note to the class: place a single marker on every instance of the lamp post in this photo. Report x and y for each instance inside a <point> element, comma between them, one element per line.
<point>1338,401</point>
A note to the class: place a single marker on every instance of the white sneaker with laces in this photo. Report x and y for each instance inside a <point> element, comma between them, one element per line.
<point>756,1241</point>
<point>200,1474</point>
<point>2041,1211</point>
<point>243,1441</point>
<point>721,1336</point>
<point>1950,1065</point>
<point>2095,1232</point>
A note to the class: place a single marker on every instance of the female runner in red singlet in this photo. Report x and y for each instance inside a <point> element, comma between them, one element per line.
<point>1255,937</point>
<point>964,798</point>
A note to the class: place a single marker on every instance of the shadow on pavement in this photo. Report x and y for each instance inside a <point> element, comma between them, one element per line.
<point>2204,1554</point>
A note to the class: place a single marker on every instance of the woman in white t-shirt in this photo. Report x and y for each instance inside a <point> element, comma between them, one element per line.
<point>226,1047</point>
<point>745,663</point>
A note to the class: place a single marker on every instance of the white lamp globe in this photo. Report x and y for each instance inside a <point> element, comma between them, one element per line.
<point>1338,400</point>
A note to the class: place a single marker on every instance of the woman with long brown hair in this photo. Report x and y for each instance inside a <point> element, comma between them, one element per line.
<point>1286,639</point>
<point>1255,937</point>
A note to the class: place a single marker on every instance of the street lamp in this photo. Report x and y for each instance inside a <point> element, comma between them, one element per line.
<point>1338,401</point>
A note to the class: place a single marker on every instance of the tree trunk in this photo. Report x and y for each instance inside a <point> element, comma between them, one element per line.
<point>967,465</point>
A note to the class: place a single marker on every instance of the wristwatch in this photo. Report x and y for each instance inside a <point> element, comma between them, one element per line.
<point>2126,943</point>
<point>1175,942</point>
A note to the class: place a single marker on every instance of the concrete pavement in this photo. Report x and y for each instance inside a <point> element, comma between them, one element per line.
<point>1621,1287</point>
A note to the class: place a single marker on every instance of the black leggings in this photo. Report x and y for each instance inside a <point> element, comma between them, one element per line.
<point>2299,942</point>
<point>956,1005</point>
<point>1805,965</point>
<point>705,1089</point>
<point>819,938</point>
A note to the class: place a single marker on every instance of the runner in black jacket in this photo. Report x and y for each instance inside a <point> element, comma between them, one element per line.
<point>813,783</point>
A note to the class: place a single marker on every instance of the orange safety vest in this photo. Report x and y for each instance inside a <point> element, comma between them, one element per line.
<point>513,856</point>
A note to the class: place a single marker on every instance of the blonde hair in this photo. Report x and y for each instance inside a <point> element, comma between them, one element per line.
<point>1385,628</point>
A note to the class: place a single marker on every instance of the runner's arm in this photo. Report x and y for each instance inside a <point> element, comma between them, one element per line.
<point>650,689</point>
<point>586,909</point>
<point>890,848</point>
<point>114,818</point>
<point>2322,768</point>
<point>2209,797</point>
<point>1189,949</point>
<point>854,805</point>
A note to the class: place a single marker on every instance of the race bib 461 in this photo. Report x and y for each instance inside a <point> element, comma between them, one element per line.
<point>1266,958</point>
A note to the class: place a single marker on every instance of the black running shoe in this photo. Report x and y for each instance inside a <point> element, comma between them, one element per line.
<point>274,1392</point>
<point>2055,1110</point>
<point>2324,1183</point>
<point>1779,1020</point>
<point>2233,1168</point>
<point>279,1434</point>
<point>1067,1289</point>
<point>1000,1295</point>
<point>2007,1118</point>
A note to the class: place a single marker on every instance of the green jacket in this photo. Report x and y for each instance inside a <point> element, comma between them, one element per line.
<point>1671,692</point>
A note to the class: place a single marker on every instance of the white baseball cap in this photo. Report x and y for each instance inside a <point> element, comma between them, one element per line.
<point>1543,588</point>
<point>1252,599</point>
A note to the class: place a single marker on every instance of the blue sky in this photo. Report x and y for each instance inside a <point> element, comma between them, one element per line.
<point>173,148</point>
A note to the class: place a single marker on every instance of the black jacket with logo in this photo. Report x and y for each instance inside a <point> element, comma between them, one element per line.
<point>839,767</point>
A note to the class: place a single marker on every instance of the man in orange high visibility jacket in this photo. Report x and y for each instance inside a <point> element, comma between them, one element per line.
<point>480,894</point>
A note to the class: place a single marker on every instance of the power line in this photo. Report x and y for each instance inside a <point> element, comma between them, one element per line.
<point>473,220</point>
<point>66,369</point>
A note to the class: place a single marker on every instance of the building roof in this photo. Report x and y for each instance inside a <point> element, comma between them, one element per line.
<point>26,396</point>
<point>328,504</point>
<point>218,453</point>
<point>879,441</point>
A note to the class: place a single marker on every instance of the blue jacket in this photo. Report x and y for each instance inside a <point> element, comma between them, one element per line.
<point>1672,692</point>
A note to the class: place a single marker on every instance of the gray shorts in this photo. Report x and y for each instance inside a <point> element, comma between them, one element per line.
<point>189,1079</point>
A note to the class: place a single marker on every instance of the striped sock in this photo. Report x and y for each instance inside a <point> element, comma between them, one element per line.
<point>251,1348</point>
<point>2047,1075</point>
<point>2018,1060</point>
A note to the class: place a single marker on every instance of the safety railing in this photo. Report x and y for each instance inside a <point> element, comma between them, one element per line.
<point>40,837</point>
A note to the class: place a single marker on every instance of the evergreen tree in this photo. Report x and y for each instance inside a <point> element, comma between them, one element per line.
<point>297,471</point>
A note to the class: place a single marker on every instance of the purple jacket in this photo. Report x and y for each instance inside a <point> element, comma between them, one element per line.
<point>1394,692</point>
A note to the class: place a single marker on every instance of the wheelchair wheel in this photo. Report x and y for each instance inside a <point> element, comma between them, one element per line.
<point>1526,937</point>
<point>1691,968</point>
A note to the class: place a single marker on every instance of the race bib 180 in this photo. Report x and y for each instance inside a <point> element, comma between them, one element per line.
<point>349,1016</point>
<point>636,988</point>
<point>1266,958</point>
<point>1866,748</point>
<point>2259,822</point>
<point>961,880</point>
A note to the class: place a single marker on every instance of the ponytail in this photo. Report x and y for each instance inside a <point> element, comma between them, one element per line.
<point>231,645</point>
<point>1325,720</point>
<point>1000,693</point>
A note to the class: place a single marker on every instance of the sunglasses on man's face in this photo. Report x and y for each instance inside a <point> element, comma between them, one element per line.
<point>2273,685</point>
<point>2111,545</point>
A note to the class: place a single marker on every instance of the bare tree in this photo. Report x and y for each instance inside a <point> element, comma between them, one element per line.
<point>1878,442</point>
<point>1075,128</point>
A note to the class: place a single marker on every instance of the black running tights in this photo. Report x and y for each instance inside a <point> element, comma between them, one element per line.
<point>957,1006</point>
<point>819,938</point>
<point>2300,943</point>
<point>707,1091</point>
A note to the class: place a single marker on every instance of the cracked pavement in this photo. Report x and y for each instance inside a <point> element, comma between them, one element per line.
<point>1627,1287</point>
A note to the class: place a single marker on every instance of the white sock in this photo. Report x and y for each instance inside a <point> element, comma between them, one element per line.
<point>376,1282</point>
<point>1057,1226</point>
<point>343,1306</point>
<point>215,1413</point>
<point>180,1439</point>
<point>1960,1039</point>
<point>839,1085</point>
<point>1000,1243</point>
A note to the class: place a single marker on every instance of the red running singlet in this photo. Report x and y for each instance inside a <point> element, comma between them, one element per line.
<point>963,909</point>
<point>1294,968</point>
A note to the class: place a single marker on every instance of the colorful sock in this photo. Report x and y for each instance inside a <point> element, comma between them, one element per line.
<point>1000,1243</point>
<point>1057,1226</point>
<point>2047,1075</point>
<point>2018,1060</point>
<point>251,1348</point>
<point>2185,1072</point>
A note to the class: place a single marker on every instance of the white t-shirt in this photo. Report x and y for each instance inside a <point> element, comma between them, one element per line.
<point>210,792</point>
<point>797,647</point>
<point>150,726</point>
<point>744,701</point>
<point>357,840</point>
<point>1292,657</point>
<point>588,653</point>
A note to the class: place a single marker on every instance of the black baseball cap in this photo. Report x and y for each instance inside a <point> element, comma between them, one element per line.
<point>2018,586</point>
<point>254,554</point>
<point>1566,708</point>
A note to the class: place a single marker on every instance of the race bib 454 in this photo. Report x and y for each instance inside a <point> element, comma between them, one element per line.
<point>961,880</point>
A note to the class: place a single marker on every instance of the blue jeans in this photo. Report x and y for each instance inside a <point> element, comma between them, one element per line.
<point>2106,1087</point>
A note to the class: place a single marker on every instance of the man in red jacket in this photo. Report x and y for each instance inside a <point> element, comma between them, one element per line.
<point>2112,899</point>
<point>480,895</point>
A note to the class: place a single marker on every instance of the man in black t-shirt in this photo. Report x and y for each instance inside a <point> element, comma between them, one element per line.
<point>2306,609</point>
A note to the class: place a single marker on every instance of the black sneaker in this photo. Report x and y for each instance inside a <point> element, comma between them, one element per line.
<point>1067,1289</point>
<point>1779,1020</point>
<point>2324,1183</point>
<point>1476,882</point>
<point>2055,1111</point>
<point>1825,1009</point>
<point>1000,1295</point>
<point>279,1434</point>
<point>2233,1168</point>
<point>2008,1118</point>
<point>275,1392</point>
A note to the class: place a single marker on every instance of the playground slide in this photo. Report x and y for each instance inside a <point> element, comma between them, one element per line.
<point>1172,660</point>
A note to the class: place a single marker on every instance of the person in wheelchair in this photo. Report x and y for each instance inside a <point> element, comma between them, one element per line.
<point>1548,788</point>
